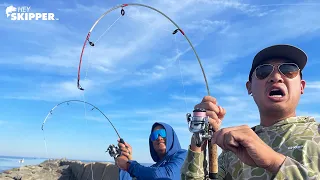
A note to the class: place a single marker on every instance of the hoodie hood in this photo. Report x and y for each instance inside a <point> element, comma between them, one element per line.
<point>172,142</point>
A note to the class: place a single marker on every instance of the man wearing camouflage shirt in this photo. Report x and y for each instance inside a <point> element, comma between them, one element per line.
<point>283,146</point>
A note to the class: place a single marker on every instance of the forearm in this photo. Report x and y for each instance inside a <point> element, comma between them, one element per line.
<point>278,162</point>
<point>137,170</point>
<point>292,169</point>
<point>170,170</point>
<point>194,147</point>
<point>193,166</point>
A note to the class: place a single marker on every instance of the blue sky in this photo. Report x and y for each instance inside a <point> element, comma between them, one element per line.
<point>133,73</point>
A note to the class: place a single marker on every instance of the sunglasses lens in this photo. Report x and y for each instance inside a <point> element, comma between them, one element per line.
<point>263,71</point>
<point>289,70</point>
<point>155,134</point>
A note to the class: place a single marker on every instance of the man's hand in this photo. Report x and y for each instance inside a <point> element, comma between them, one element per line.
<point>216,114</point>
<point>126,149</point>
<point>248,147</point>
<point>121,162</point>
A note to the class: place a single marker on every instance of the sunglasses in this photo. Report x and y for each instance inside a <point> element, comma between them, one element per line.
<point>155,134</point>
<point>289,70</point>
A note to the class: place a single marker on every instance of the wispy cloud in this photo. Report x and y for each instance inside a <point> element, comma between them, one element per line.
<point>134,72</point>
<point>80,8</point>
<point>311,93</point>
<point>118,53</point>
<point>56,91</point>
<point>313,85</point>
<point>189,99</point>
<point>207,25</point>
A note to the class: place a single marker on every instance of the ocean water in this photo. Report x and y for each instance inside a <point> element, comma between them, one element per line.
<point>9,162</point>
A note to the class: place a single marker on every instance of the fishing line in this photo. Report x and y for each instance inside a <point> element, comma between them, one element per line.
<point>171,60</point>
<point>85,78</point>
<point>107,29</point>
<point>181,76</point>
<point>94,107</point>
<point>122,6</point>
<point>85,116</point>
<point>178,29</point>
<point>89,62</point>
<point>212,163</point>
<point>85,110</point>
<point>45,144</point>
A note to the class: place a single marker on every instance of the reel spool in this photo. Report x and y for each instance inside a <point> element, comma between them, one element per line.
<point>199,125</point>
<point>114,151</point>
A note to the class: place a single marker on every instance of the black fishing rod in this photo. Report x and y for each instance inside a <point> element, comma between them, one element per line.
<point>94,107</point>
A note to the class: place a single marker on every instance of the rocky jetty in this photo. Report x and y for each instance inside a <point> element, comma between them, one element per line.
<point>61,169</point>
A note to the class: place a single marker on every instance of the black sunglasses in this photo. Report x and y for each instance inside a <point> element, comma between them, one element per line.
<point>289,70</point>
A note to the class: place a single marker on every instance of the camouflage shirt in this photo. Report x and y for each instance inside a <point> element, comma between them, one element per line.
<point>298,138</point>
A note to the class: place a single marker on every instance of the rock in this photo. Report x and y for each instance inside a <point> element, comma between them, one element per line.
<point>62,169</point>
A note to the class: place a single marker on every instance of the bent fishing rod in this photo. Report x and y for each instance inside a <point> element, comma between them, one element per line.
<point>213,155</point>
<point>94,107</point>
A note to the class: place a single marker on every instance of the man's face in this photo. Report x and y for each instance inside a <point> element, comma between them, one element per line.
<point>159,144</point>
<point>276,92</point>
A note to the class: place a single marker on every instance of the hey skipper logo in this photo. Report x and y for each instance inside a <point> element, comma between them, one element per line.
<point>22,13</point>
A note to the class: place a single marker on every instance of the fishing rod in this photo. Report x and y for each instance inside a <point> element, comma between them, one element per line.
<point>202,131</point>
<point>213,154</point>
<point>112,149</point>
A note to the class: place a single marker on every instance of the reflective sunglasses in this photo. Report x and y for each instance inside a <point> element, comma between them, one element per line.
<point>289,70</point>
<point>155,134</point>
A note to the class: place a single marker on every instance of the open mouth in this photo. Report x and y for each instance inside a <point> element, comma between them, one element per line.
<point>276,93</point>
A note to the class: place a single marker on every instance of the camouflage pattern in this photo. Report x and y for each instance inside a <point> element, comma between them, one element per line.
<point>298,138</point>
<point>193,165</point>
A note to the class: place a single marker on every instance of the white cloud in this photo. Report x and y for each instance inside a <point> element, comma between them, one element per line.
<point>189,99</point>
<point>207,25</point>
<point>134,56</point>
<point>245,8</point>
<point>163,114</point>
<point>37,29</point>
<point>55,91</point>
<point>228,88</point>
<point>311,93</point>
<point>313,85</point>
<point>80,8</point>
<point>111,55</point>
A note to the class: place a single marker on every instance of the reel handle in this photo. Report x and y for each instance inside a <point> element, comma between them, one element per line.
<point>202,129</point>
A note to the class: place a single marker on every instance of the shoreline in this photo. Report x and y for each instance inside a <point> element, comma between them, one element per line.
<point>63,169</point>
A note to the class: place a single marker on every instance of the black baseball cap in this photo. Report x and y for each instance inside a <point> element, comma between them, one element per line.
<point>285,51</point>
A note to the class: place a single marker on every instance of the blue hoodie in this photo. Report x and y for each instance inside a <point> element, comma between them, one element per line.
<point>168,168</point>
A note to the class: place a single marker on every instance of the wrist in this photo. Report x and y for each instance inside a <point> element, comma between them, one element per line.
<point>193,146</point>
<point>128,165</point>
<point>131,166</point>
<point>277,163</point>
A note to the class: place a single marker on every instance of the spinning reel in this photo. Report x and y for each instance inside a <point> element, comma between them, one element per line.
<point>199,126</point>
<point>114,151</point>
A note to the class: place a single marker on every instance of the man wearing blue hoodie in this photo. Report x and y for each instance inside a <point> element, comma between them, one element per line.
<point>165,151</point>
